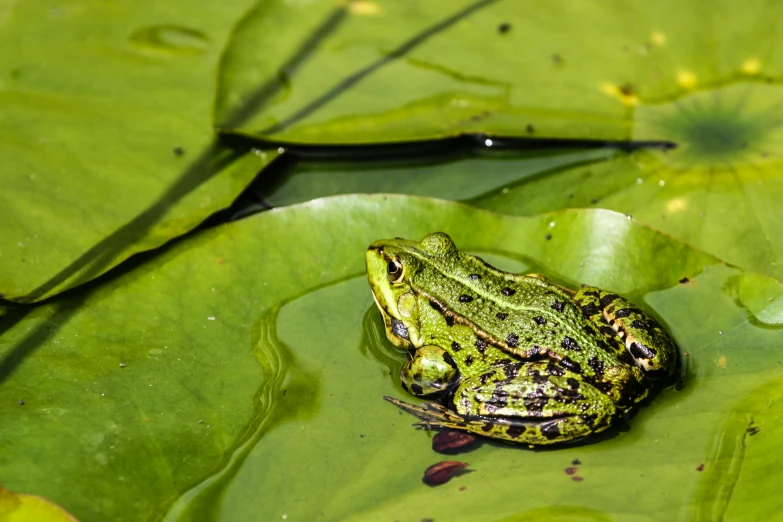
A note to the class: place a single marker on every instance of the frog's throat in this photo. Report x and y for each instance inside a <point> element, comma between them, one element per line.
<point>452,318</point>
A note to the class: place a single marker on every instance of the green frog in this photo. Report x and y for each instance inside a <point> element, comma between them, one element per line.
<point>511,356</point>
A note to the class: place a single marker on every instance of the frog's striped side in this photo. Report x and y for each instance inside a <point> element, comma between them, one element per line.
<point>640,332</point>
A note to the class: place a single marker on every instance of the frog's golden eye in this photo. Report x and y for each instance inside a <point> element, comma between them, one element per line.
<point>394,269</point>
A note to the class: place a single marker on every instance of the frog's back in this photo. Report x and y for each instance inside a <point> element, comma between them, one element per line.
<point>518,312</point>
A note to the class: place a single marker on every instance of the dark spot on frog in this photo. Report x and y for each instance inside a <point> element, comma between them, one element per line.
<point>684,281</point>
<point>465,298</point>
<point>515,431</point>
<point>481,345</point>
<point>553,369</point>
<point>625,312</point>
<point>405,386</point>
<point>449,360</point>
<point>592,293</point>
<point>548,237</point>
<point>640,351</point>
<point>501,316</point>
<point>570,344</point>
<point>455,346</point>
<point>512,340</point>
<point>473,277</point>
<point>589,419</point>
<point>535,401</point>
<point>508,291</point>
<point>641,325</point>
<point>537,378</point>
<point>550,430</point>
<point>417,377</point>
<point>590,309</point>
<point>557,306</point>
<point>511,370</point>
<point>468,360</point>
<point>608,299</point>
<point>484,377</point>
<point>499,398</point>
<point>605,387</point>
<point>449,320</point>
<point>437,306</point>
<point>417,389</point>
<point>572,383</point>
<point>504,28</point>
<point>570,364</point>
<point>602,345</point>
<point>487,427</point>
<point>607,331</point>
<point>597,365</point>
<point>539,320</point>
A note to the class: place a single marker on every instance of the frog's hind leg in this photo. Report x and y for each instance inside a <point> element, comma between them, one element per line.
<point>521,403</point>
<point>647,343</point>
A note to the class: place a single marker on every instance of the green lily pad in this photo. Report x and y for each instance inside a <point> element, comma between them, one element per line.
<point>718,190</point>
<point>238,375</point>
<point>106,136</point>
<point>370,71</point>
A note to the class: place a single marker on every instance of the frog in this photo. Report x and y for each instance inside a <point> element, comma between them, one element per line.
<point>513,357</point>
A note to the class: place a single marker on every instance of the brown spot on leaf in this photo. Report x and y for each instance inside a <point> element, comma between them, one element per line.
<point>441,472</point>
<point>452,441</point>
<point>570,471</point>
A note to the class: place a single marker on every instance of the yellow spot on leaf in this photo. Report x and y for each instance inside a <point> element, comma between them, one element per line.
<point>363,8</point>
<point>751,66</point>
<point>676,204</point>
<point>721,361</point>
<point>686,79</point>
<point>658,38</point>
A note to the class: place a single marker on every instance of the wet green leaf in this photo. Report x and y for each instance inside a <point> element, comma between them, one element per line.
<point>16,507</point>
<point>381,71</point>
<point>264,329</point>
<point>105,137</point>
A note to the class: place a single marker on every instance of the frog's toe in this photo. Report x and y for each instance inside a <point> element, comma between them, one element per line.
<point>433,415</point>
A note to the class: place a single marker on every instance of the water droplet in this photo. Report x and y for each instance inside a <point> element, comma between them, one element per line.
<point>661,183</point>
<point>638,181</point>
<point>488,142</point>
<point>169,38</point>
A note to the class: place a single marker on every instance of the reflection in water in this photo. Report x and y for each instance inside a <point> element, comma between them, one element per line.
<point>287,392</point>
<point>375,343</point>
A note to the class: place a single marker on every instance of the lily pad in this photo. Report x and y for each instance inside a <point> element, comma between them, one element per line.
<point>106,136</point>
<point>371,71</point>
<point>275,347</point>
<point>718,190</point>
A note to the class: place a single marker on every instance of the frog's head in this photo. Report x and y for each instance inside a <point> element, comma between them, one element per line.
<point>394,268</point>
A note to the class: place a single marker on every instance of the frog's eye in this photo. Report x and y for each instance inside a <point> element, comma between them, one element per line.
<point>394,269</point>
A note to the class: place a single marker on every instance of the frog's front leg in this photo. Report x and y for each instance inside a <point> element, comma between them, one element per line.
<point>521,403</point>
<point>430,372</point>
<point>653,351</point>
